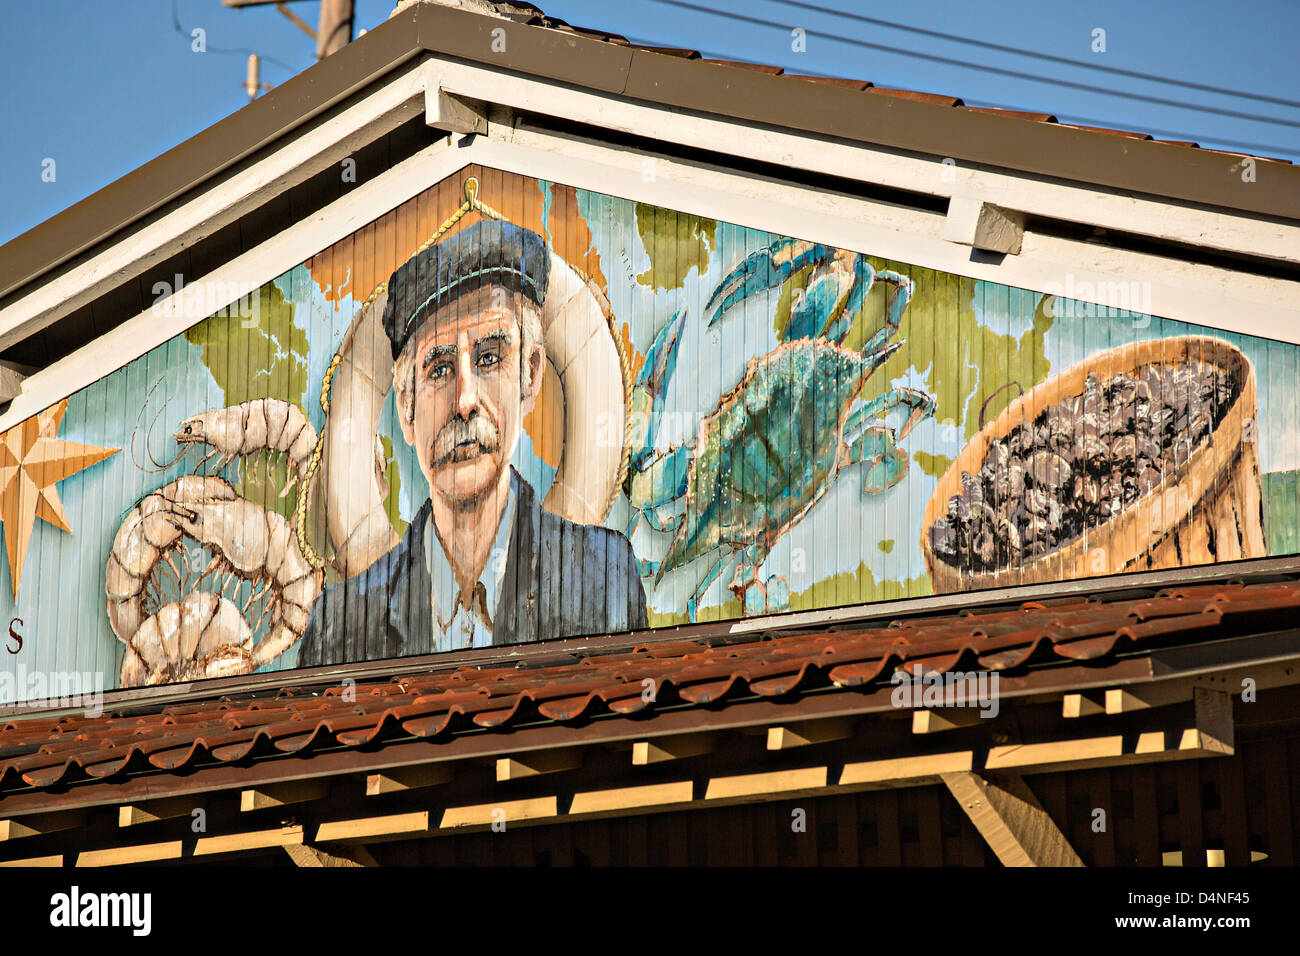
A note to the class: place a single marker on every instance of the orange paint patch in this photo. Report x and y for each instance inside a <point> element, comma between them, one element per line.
<point>545,423</point>
<point>634,358</point>
<point>357,264</point>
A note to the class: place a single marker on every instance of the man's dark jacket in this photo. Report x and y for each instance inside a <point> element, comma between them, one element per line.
<point>562,579</point>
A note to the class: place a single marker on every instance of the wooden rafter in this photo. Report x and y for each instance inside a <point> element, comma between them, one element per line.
<point>1011,820</point>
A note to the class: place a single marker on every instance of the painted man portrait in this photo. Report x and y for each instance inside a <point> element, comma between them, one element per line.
<point>482,562</point>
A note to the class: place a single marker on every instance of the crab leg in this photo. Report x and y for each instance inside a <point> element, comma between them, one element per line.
<point>693,603</point>
<point>877,447</point>
<point>658,482</point>
<point>764,269</point>
<point>921,405</point>
<point>834,319</point>
<point>898,302</point>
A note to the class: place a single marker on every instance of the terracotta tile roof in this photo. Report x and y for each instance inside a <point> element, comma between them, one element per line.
<point>558,687</point>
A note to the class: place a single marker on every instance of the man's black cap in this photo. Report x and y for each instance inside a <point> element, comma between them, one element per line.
<point>490,252</point>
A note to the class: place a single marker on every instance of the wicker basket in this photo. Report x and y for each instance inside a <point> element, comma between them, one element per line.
<point>1208,509</point>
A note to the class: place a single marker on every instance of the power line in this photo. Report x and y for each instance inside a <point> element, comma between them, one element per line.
<point>242,51</point>
<point>1174,134</point>
<point>1064,117</point>
<point>1046,57</point>
<point>1016,74</point>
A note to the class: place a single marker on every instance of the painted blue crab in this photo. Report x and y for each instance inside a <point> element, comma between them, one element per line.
<point>775,443</point>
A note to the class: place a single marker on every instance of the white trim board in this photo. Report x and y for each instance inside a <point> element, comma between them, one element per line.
<point>1122,212</point>
<point>1186,293</point>
<point>1178,289</point>
<point>406,93</point>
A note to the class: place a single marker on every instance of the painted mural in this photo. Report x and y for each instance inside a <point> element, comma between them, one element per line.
<point>510,410</point>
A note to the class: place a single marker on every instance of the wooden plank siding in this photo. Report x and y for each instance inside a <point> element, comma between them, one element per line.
<point>973,347</point>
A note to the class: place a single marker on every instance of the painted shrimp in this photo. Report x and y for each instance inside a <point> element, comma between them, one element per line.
<point>144,545</point>
<point>250,427</point>
<point>256,545</point>
<point>258,425</point>
<point>201,635</point>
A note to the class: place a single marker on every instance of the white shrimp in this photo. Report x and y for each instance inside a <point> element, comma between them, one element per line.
<point>147,537</point>
<point>256,545</point>
<point>258,425</point>
<point>202,635</point>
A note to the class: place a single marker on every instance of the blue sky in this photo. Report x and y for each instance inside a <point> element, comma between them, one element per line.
<point>102,87</point>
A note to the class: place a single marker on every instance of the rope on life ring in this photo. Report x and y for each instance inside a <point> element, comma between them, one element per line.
<point>471,203</point>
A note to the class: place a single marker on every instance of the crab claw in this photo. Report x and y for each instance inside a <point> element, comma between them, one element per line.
<point>649,390</point>
<point>921,404</point>
<point>661,358</point>
<point>765,269</point>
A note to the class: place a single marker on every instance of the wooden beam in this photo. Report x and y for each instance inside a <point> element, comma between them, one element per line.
<point>281,795</point>
<point>1011,820</point>
<point>252,840</point>
<point>313,856</point>
<point>973,222</point>
<point>1126,700</point>
<point>763,784</point>
<point>55,860</point>
<point>371,828</point>
<point>1210,735</point>
<point>905,771</point>
<point>11,381</point>
<point>507,812</point>
<point>807,732</point>
<point>134,814</point>
<point>38,824</point>
<point>1081,705</point>
<point>123,855</point>
<point>1213,858</point>
<point>409,778</point>
<point>944,718</point>
<point>453,113</point>
<point>632,798</point>
<point>537,762</point>
<point>679,747</point>
<point>1214,731</point>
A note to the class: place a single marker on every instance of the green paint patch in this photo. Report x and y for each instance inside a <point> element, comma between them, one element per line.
<point>967,367</point>
<point>933,465</point>
<point>886,546</point>
<point>393,474</point>
<point>1281,494</point>
<point>859,587</point>
<point>253,350</point>
<point>676,243</point>
<point>785,302</point>
<point>262,476</point>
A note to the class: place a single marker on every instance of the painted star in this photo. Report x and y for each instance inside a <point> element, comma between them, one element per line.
<point>32,461</point>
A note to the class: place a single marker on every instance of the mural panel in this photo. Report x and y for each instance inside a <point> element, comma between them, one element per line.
<point>510,410</point>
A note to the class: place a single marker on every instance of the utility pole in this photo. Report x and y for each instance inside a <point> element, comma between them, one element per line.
<point>333,31</point>
<point>253,83</point>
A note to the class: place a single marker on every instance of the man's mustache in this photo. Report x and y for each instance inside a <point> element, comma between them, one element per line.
<point>462,439</point>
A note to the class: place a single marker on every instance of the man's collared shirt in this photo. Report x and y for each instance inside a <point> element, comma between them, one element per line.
<point>457,626</point>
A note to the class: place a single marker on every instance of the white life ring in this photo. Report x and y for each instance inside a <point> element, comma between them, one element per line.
<point>581,346</point>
